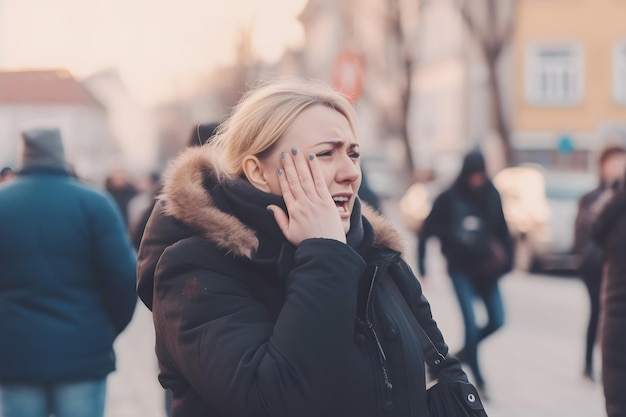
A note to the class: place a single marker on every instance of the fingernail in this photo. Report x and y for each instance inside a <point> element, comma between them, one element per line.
<point>294,151</point>
<point>311,157</point>
<point>280,171</point>
<point>283,155</point>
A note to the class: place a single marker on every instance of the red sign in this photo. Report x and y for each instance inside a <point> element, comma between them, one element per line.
<point>348,74</point>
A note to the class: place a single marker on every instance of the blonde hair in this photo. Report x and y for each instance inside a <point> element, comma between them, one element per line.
<point>263,116</point>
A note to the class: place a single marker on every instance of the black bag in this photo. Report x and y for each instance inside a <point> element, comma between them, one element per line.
<point>454,399</point>
<point>491,267</point>
<point>486,258</point>
<point>447,398</point>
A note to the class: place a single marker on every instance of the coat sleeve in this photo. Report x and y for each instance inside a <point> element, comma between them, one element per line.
<point>240,358</point>
<point>432,226</point>
<point>115,263</point>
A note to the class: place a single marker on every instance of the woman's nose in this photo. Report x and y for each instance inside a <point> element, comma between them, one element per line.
<point>348,170</point>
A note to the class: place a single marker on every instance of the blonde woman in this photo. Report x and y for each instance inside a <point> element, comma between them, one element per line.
<point>274,290</point>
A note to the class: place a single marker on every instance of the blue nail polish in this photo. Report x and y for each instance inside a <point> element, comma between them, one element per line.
<point>294,151</point>
<point>311,157</point>
<point>283,155</point>
<point>280,171</point>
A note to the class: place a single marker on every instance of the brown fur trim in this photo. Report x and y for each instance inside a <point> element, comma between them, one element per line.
<point>186,199</point>
<point>384,233</point>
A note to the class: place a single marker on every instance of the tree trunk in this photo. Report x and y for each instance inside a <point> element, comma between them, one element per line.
<point>498,116</point>
<point>405,103</point>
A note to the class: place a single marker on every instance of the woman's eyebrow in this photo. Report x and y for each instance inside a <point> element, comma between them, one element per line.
<point>339,143</point>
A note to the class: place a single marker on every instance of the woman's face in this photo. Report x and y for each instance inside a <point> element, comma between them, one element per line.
<point>325,133</point>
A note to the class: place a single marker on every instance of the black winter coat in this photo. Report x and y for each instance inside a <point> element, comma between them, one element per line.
<point>610,232</point>
<point>248,325</point>
<point>587,249</point>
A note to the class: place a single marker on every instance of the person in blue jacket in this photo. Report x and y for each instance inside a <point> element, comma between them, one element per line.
<point>67,286</point>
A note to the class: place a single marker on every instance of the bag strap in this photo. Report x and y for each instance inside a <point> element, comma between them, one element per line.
<point>432,356</point>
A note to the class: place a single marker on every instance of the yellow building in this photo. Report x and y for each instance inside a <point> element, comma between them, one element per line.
<point>570,88</point>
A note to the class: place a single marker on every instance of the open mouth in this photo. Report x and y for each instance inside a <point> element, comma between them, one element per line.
<point>342,203</point>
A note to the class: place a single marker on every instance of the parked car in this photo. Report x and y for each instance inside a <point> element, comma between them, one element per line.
<point>541,207</point>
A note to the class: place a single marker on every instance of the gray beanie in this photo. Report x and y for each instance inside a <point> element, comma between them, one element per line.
<point>43,148</point>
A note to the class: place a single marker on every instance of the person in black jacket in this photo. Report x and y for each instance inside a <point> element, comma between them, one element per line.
<point>611,165</point>
<point>274,290</point>
<point>609,231</point>
<point>468,220</point>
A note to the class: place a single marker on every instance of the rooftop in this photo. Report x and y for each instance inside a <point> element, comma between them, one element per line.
<point>53,86</point>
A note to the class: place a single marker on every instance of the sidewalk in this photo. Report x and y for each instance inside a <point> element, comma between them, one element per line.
<point>133,390</point>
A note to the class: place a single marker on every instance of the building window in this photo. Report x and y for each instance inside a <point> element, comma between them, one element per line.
<point>554,74</point>
<point>619,72</point>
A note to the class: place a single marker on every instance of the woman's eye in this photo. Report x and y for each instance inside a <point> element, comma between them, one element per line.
<point>324,153</point>
<point>355,155</point>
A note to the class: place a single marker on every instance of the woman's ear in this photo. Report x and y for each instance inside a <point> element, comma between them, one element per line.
<point>255,173</point>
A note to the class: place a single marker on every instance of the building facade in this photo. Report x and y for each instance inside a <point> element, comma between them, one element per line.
<point>570,81</point>
<point>38,98</point>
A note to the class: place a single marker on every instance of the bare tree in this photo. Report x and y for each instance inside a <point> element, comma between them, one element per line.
<point>492,24</point>
<point>405,50</point>
<point>391,63</point>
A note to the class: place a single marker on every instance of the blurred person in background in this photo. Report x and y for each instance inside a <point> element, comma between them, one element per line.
<point>121,189</point>
<point>368,195</point>
<point>611,166</point>
<point>274,291</point>
<point>67,286</point>
<point>140,206</point>
<point>202,133</point>
<point>468,220</point>
<point>7,174</point>
<point>609,231</point>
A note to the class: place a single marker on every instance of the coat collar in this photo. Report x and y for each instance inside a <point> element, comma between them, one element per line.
<point>192,194</point>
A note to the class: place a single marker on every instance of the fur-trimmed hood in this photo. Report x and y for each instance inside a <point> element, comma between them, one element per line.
<point>186,196</point>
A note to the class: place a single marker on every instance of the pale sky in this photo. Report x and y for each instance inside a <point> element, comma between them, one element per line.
<point>157,45</point>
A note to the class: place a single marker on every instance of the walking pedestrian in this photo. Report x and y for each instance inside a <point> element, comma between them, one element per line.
<point>67,286</point>
<point>274,291</point>
<point>611,165</point>
<point>122,190</point>
<point>468,220</point>
<point>610,232</point>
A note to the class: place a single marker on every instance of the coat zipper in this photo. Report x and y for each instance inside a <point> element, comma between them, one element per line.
<point>382,358</point>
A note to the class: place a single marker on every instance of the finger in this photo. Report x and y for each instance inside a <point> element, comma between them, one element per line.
<point>319,181</point>
<point>292,175</point>
<point>285,187</point>
<point>281,218</point>
<point>304,172</point>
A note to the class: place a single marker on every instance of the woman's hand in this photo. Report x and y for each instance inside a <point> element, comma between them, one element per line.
<point>312,211</point>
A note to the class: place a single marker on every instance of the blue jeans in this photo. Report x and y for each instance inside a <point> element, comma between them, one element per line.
<point>466,294</point>
<point>77,399</point>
